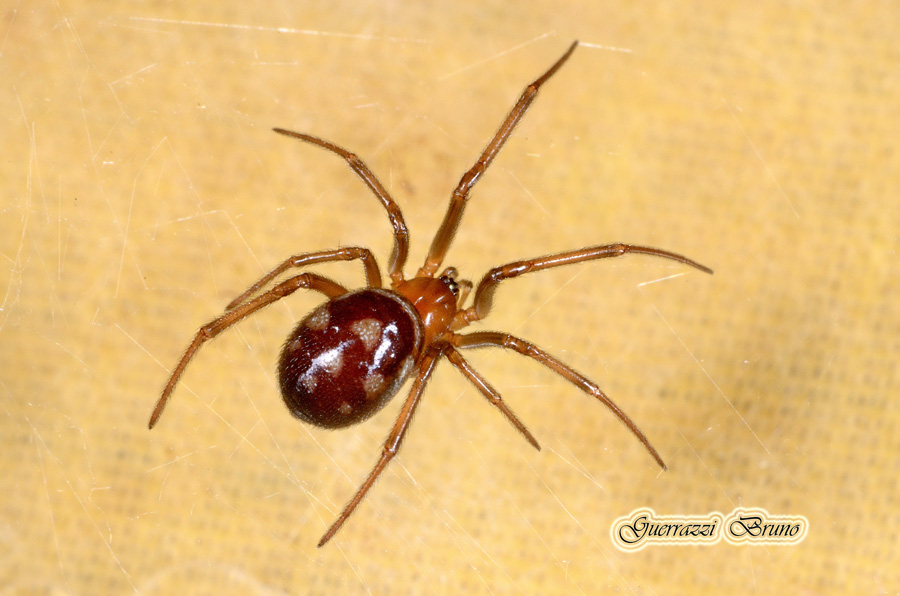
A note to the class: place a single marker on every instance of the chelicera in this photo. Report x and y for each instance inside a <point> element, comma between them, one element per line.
<point>350,356</point>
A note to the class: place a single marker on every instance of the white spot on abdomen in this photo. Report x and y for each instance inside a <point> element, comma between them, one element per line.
<point>369,332</point>
<point>330,361</point>
<point>309,382</point>
<point>318,320</point>
<point>374,384</point>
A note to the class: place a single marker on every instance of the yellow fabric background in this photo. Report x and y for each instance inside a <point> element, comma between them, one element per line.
<point>142,190</point>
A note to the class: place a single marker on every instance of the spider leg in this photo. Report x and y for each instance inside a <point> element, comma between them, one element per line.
<point>504,340</point>
<point>392,444</point>
<point>309,281</point>
<point>373,276</point>
<point>489,392</point>
<point>401,235</point>
<point>445,233</point>
<point>484,293</point>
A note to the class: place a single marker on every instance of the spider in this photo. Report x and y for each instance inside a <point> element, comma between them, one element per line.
<point>346,359</point>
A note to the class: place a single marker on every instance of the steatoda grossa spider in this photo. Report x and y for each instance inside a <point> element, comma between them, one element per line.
<point>349,357</point>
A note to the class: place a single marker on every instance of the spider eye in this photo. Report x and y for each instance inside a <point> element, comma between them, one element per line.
<point>451,284</point>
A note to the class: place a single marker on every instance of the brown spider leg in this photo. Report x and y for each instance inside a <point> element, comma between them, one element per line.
<point>309,281</point>
<point>373,276</point>
<point>445,233</point>
<point>484,293</point>
<point>392,444</point>
<point>400,251</point>
<point>489,392</point>
<point>504,340</point>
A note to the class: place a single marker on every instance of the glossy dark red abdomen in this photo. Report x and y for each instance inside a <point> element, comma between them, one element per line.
<point>348,358</point>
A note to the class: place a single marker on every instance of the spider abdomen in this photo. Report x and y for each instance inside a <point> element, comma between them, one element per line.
<point>347,359</point>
